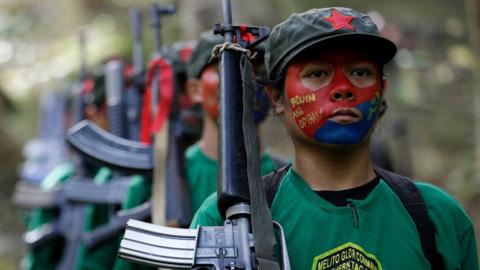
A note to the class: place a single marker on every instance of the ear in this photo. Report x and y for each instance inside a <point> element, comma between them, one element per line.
<point>384,104</point>
<point>384,86</point>
<point>277,100</point>
<point>90,111</point>
<point>194,90</point>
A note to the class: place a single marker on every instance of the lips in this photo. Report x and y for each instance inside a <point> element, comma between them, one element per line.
<point>346,116</point>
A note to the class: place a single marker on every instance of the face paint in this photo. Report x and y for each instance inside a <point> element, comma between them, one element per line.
<point>209,80</point>
<point>335,96</point>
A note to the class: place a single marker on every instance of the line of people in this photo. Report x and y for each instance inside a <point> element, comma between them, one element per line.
<point>321,73</point>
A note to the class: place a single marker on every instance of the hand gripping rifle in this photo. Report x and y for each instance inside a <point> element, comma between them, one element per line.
<point>241,197</point>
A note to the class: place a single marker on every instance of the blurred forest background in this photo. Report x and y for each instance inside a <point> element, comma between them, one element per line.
<point>431,126</point>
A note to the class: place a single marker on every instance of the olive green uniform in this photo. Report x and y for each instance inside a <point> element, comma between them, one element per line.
<point>321,235</point>
<point>201,173</point>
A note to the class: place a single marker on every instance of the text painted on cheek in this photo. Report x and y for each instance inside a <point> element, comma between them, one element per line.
<point>310,118</point>
<point>302,99</point>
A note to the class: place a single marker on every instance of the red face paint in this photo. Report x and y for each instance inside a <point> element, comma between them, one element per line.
<point>209,80</point>
<point>328,88</point>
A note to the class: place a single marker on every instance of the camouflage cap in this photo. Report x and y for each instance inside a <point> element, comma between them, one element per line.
<point>336,26</point>
<point>201,53</point>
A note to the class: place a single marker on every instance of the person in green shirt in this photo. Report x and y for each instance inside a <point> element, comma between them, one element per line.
<point>202,88</point>
<point>326,69</point>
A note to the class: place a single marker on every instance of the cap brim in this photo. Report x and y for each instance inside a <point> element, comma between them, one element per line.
<point>378,47</point>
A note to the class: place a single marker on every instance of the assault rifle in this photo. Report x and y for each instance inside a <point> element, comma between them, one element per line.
<point>47,150</point>
<point>71,197</point>
<point>126,156</point>
<point>241,197</point>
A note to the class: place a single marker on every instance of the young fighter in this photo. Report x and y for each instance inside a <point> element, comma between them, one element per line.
<point>326,66</point>
<point>201,158</point>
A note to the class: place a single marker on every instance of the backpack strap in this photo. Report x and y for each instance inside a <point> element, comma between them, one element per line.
<point>271,182</point>
<point>413,202</point>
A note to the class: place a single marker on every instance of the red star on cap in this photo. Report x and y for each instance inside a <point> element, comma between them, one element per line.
<point>339,21</point>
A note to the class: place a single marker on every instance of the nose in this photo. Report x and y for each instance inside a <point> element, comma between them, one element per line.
<point>342,94</point>
<point>341,89</point>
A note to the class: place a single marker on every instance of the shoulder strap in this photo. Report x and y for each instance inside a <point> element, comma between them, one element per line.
<point>271,182</point>
<point>413,202</point>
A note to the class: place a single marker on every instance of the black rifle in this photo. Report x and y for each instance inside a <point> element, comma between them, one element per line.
<point>71,197</point>
<point>77,89</point>
<point>137,81</point>
<point>47,150</point>
<point>123,155</point>
<point>156,13</point>
<point>229,246</point>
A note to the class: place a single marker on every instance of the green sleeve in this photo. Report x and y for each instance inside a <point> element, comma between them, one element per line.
<point>469,250</point>
<point>207,214</point>
<point>455,237</point>
<point>138,192</point>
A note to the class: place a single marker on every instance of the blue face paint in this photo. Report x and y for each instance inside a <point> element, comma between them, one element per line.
<point>334,133</point>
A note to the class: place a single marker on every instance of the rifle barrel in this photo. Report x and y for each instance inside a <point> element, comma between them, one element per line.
<point>136,19</point>
<point>227,17</point>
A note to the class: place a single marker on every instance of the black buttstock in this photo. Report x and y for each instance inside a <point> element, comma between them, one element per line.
<point>105,149</point>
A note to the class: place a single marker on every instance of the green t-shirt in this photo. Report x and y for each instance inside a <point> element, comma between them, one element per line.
<point>201,173</point>
<point>321,235</point>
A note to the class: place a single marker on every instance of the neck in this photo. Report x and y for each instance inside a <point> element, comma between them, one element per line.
<point>209,140</point>
<point>333,167</point>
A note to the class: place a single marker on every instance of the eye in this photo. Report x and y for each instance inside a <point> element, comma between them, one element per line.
<point>361,72</point>
<point>316,74</point>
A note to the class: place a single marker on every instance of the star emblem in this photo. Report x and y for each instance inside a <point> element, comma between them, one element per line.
<point>339,21</point>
